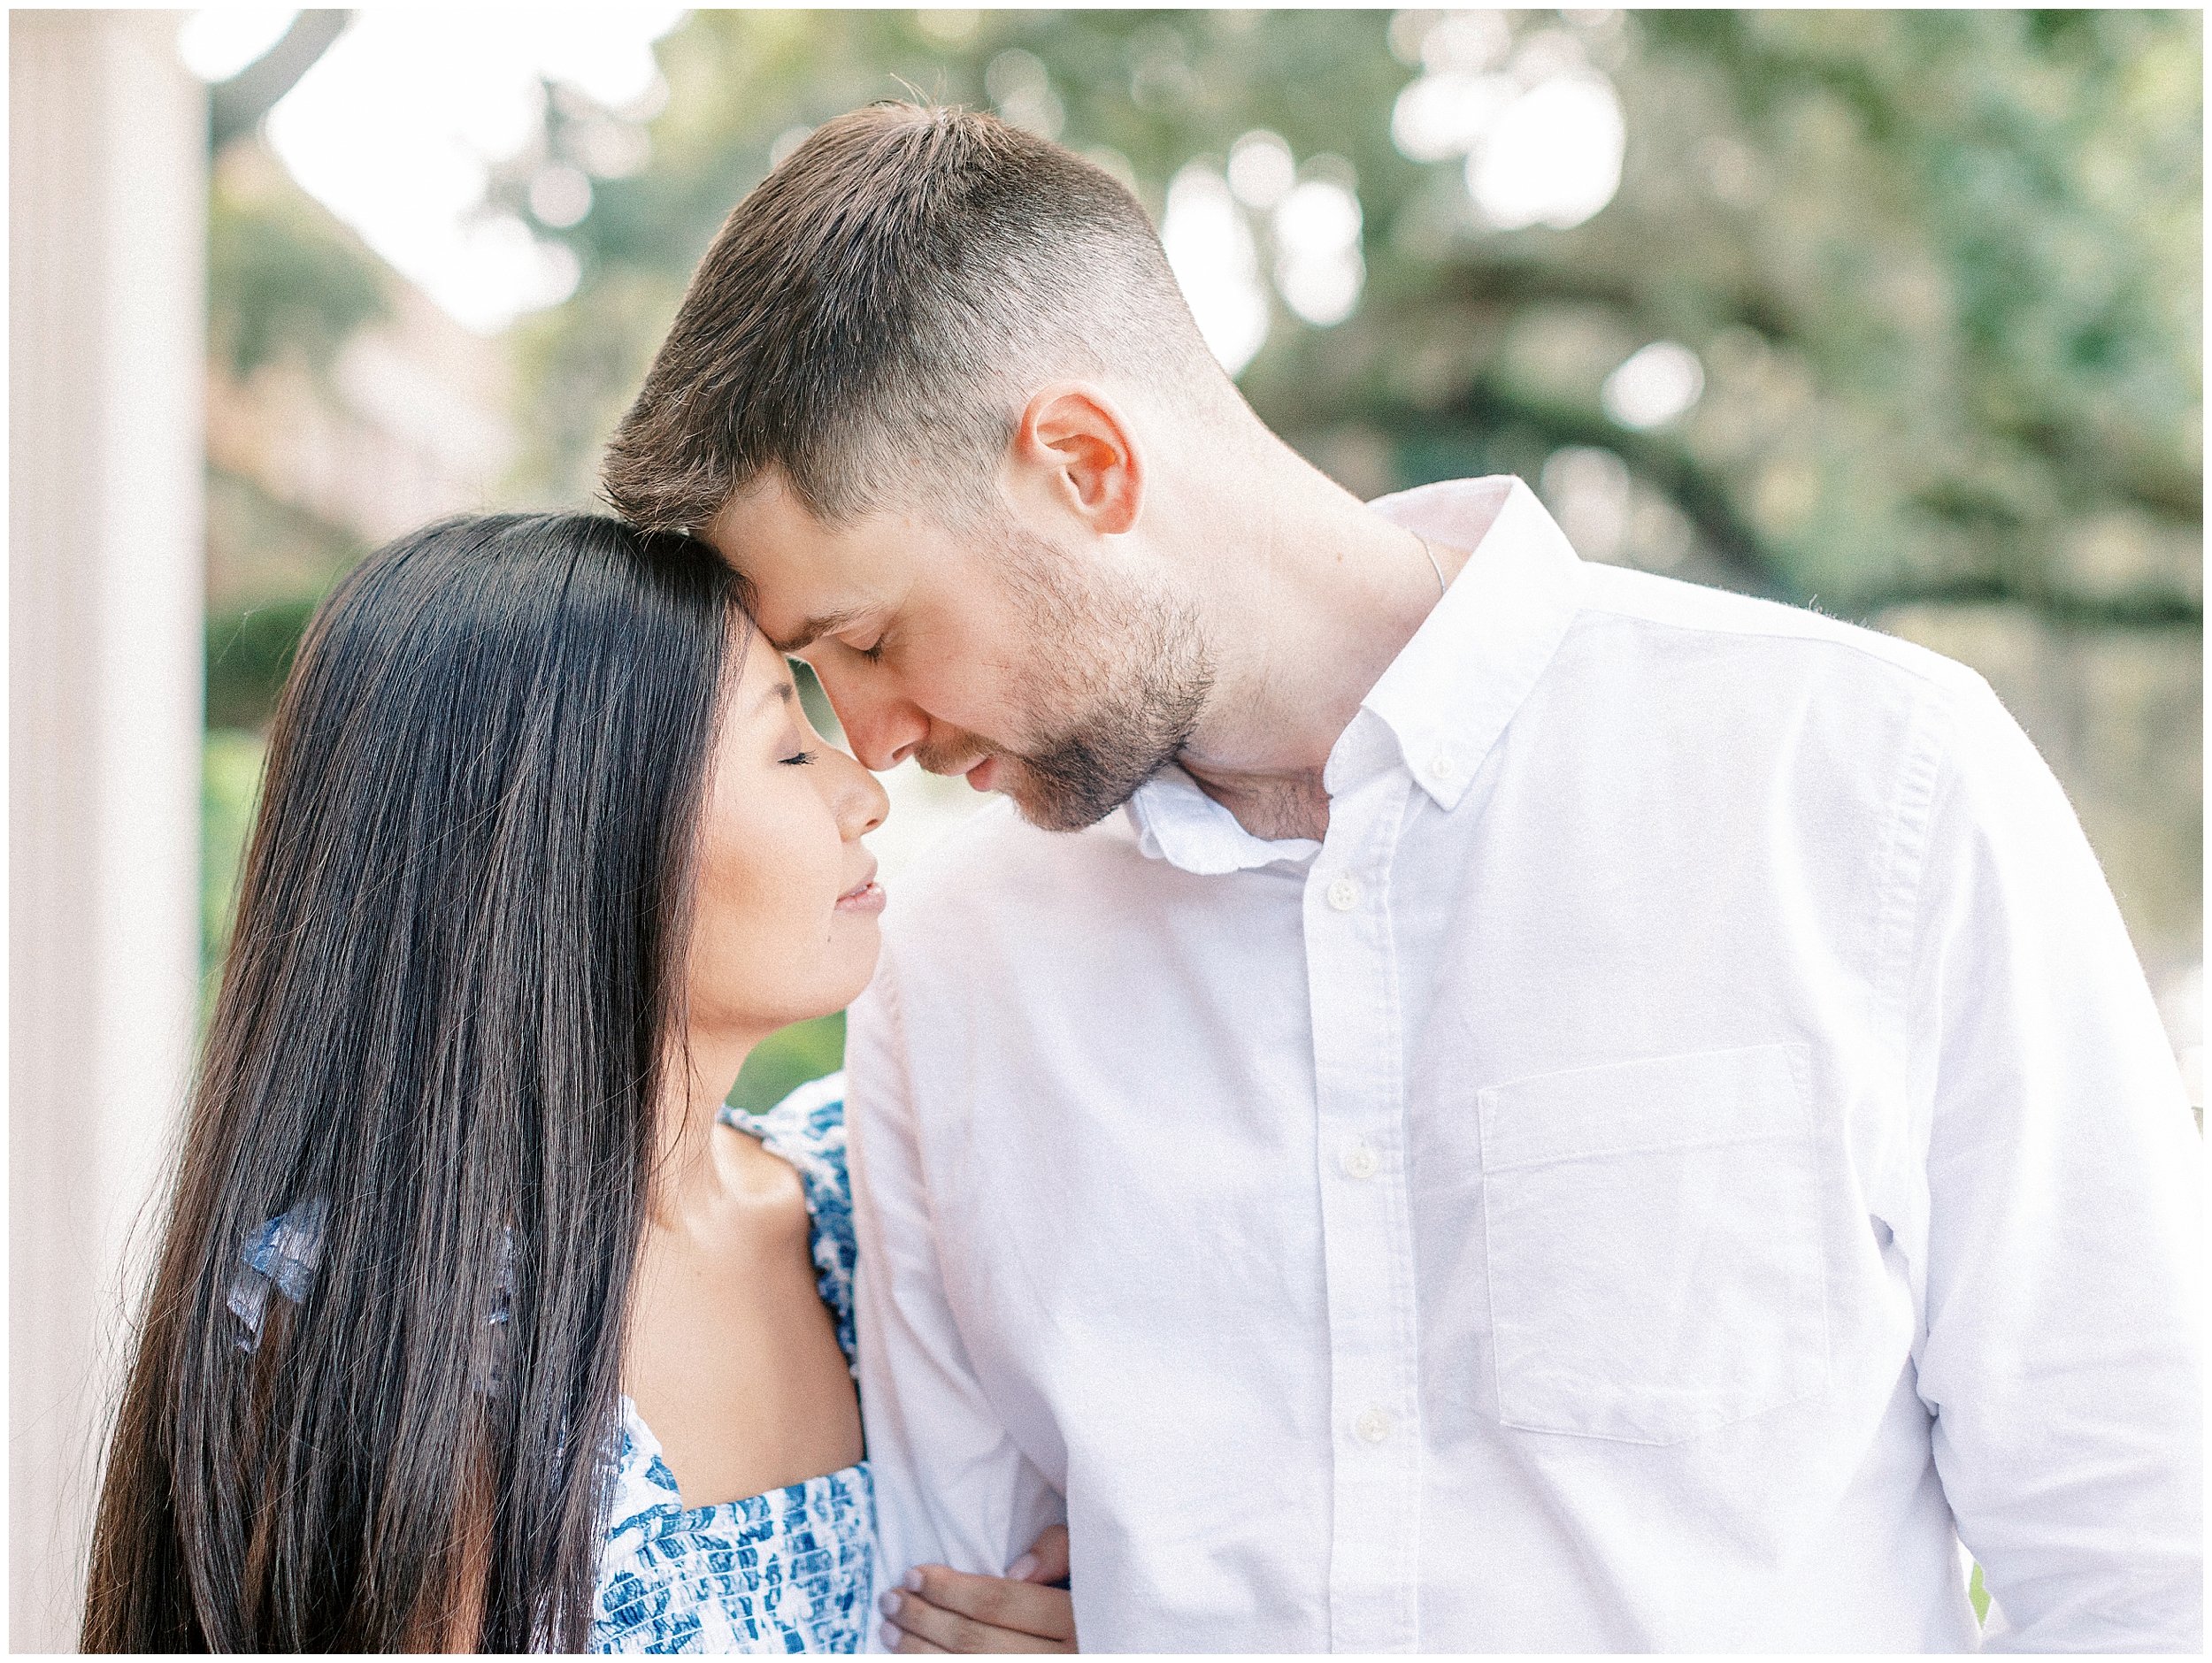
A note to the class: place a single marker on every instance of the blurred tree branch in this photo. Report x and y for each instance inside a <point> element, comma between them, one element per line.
<point>235,106</point>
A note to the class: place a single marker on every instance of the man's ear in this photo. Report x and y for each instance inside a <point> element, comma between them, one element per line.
<point>1076,443</point>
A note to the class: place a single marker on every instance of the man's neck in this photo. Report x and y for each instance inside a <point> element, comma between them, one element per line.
<point>1309,601</point>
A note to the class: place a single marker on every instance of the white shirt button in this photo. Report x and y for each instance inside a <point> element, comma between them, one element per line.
<point>1373,1425</point>
<point>1442,767</point>
<point>1344,895</point>
<point>1360,1158</point>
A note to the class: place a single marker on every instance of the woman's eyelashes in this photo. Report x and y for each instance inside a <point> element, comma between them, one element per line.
<point>793,751</point>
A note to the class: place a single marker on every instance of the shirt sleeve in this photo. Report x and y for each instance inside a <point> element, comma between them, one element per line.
<point>952,1487</point>
<point>2059,1348</point>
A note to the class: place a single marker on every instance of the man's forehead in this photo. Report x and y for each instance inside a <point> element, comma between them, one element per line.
<point>760,525</point>
<point>793,577</point>
<point>777,550</point>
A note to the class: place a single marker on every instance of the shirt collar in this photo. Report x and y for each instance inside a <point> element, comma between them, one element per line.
<point>1450,692</point>
<point>1178,823</point>
<point>1445,699</point>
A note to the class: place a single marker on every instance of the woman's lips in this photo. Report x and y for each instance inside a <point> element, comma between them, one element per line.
<point>866,900</point>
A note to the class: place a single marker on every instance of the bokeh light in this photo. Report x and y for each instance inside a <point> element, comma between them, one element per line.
<point>1319,269</point>
<point>1021,88</point>
<point>1262,169</point>
<point>1215,258</point>
<point>1540,127</point>
<point>1590,492</point>
<point>1553,156</point>
<point>560,195</point>
<point>1442,115</point>
<point>1653,386</point>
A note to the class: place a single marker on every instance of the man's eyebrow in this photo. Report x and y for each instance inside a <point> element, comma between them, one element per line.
<point>815,628</point>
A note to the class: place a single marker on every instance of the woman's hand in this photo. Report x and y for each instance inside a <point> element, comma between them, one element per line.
<point>942,1610</point>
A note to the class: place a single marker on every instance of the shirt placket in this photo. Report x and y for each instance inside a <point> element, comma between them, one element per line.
<point>1375,1430</point>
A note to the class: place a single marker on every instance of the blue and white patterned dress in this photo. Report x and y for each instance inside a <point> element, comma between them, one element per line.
<point>789,1571</point>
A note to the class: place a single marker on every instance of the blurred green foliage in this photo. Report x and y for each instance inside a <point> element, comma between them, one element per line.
<point>1942,267</point>
<point>288,286</point>
<point>249,654</point>
<point>1941,270</point>
<point>230,785</point>
<point>282,278</point>
<point>786,1060</point>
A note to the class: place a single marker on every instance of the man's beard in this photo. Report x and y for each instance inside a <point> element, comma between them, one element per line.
<point>1134,666</point>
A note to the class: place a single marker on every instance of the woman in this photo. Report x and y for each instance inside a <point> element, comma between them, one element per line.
<point>479,1323</point>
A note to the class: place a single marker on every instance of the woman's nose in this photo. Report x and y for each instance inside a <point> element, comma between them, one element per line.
<point>862,803</point>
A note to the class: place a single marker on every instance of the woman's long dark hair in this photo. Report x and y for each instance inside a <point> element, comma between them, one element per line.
<point>454,974</point>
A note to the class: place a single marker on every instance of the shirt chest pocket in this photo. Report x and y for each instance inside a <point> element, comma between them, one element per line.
<point>1654,1234</point>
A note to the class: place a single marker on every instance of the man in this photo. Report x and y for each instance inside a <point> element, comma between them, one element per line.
<point>1483,1102</point>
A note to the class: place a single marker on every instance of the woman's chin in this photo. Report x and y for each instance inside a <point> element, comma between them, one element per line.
<point>857,943</point>
<point>836,973</point>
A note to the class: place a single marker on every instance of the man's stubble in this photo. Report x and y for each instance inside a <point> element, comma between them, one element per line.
<point>1114,676</point>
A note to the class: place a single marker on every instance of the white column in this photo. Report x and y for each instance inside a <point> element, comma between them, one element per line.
<point>107,221</point>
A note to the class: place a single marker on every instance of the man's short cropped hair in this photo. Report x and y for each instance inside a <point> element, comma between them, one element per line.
<point>873,315</point>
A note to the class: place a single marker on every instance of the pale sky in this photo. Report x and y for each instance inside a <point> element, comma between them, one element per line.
<point>396,128</point>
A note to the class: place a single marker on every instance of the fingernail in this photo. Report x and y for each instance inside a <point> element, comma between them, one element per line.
<point>891,1637</point>
<point>1023,1569</point>
<point>887,1604</point>
<point>913,1583</point>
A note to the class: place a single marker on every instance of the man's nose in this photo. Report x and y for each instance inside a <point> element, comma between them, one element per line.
<point>882,729</point>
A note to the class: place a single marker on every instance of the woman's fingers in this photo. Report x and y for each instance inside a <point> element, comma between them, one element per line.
<point>955,1611</point>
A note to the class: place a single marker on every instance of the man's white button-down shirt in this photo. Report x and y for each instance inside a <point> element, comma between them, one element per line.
<point>1689,1148</point>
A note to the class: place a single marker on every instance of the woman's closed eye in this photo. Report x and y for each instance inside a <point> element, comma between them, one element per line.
<point>793,751</point>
